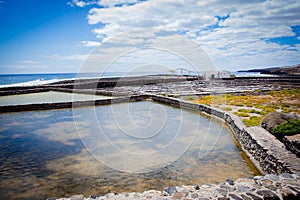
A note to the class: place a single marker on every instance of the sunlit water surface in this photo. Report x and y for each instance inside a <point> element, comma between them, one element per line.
<point>43,154</point>
<point>47,97</point>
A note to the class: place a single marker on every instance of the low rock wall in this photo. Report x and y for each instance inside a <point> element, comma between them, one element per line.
<point>273,187</point>
<point>292,143</point>
<point>264,150</point>
<point>62,105</point>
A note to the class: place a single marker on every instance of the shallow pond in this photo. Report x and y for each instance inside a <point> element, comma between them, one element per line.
<point>116,148</point>
<point>47,97</point>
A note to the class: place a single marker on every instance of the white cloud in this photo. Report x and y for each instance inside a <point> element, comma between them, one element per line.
<point>24,68</point>
<point>105,3</point>
<point>90,43</point>
<point>240,39</point>
<point>29,62</point>
<point>80,57</point>
<point>81,4</point>
<point>111,3</point>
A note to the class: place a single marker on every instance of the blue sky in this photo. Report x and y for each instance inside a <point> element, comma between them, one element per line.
<point>36,35</point>
<point>58,35</point>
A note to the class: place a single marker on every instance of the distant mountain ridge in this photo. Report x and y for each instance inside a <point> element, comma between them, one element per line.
<point>287,70</point>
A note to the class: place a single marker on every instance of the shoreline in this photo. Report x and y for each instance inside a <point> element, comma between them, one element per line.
<point>270,186</point>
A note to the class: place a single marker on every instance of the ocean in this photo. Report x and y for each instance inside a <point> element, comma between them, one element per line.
<point>8,80</point>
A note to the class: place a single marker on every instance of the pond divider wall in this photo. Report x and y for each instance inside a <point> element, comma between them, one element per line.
<point>264,150</point>
<point>76,104</point>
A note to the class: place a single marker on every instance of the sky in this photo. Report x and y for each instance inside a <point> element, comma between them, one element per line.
<point>59,36</point>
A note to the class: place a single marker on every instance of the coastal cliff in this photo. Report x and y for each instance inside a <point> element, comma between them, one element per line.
<point>287,70</point>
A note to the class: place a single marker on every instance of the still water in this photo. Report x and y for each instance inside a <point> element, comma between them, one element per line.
<point>47,97</point>
<point>116,148</point>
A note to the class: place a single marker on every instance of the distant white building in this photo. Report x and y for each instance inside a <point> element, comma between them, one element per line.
<point>216,74</point>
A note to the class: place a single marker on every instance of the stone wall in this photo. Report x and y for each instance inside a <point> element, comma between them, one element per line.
<point>264,150</point>
<point>62,105</point>
<point>270,186</point>
<point>292,143</point>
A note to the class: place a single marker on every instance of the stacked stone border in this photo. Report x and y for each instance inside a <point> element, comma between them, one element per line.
<point>270,186</point>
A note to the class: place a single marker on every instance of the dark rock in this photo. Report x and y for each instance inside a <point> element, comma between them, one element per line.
<point>235,197</point>
<point>295,190</point>
<point>267,195</point>
<point>246,197</point>
<point>222,192</point>
<point>292,143</point>
<point>94,196</point>
<point>288,194</point>
<point>271,187</point>
<point>51,198</point>
<point>278,184</point>
<point>231,182</point>
<point>170,190</point>
<point>254,197</point>
<point>196,187</point>
<point>258,178</point>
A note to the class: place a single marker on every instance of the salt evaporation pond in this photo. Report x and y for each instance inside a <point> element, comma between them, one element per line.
<point>43,154</point>
<point>47,97</point>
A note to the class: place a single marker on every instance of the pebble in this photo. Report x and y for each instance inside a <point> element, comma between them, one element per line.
<point>258,177</point>
<point>94,196</point>
<point>231,182</point>
<point>242,188</point>
<point>170,190</point>
<point>77,197</point>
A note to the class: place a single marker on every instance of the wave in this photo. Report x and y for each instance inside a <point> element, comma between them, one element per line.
<point>32,83</point>
<point>42,79</point>
<point>251,74</point>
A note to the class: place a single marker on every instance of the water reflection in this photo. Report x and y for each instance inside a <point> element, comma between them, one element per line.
<point>48,97</point>
<point>41,153</point>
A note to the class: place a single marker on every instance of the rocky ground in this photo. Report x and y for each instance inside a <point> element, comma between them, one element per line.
<point>284,186</point>
<point>199,87</point>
